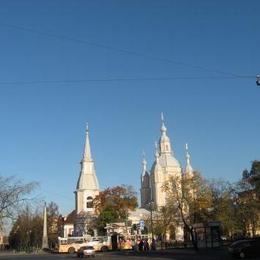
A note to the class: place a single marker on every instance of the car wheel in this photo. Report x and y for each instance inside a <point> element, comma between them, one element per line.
<point>242,254</point>
<point>71,250</point>
<point>104,248</point>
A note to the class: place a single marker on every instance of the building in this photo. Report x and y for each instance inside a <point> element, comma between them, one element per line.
<point>86,190</point>
<point>66,224</point>
<point>164,166</point>
<point>4,243</point>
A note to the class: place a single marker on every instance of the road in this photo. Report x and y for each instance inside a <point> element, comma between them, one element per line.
<point>174,254</point>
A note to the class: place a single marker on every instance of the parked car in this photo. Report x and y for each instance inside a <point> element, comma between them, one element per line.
<point>245,248</point>
<point>86,251</point>
<point>99,244</point>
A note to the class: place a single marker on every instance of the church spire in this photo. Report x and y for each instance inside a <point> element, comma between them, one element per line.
<point>156,153</point>
<point>144,166</point>
<point>163,127</point>
<point>87,185</point>
<point>87,150</point>
<point>144,163</point>
<point>164,142</point>
<point>188,169</point>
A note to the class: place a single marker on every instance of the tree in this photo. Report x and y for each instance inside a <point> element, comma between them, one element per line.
<point>225,207</point>
<point>254,177</point>
<point>113,204</point>
<point>26,232</point>
<point>248,199</point>
<point>161,221</point>
<point>52,222</point>
<point>190,200</point>
<point>13,193</point>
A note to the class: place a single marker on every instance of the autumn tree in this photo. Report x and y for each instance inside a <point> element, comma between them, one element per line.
<point>189,198</point>
<point>161,221</point>
<point>113,204</point>
<point>13,194</point>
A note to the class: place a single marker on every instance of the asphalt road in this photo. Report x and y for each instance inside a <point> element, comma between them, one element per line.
<point>174,254</point>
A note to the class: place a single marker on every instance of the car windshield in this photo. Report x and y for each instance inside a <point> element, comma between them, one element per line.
<point>89,247</point>
<point>241,242</point>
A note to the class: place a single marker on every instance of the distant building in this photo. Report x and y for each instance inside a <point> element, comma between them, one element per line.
<point>4,243</point>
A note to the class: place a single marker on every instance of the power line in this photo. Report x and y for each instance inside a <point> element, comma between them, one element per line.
<point>37,82</point>
<point>111,48</point>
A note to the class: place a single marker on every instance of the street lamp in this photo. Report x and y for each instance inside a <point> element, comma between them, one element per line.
<point>151,204</point>
<point>258,80</point>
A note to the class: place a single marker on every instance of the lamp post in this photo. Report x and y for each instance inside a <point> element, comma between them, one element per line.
<point>151,211</point>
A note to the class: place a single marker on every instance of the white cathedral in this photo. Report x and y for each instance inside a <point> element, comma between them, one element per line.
<point>164,166</point>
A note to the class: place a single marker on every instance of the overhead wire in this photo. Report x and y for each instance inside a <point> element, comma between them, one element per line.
<point>115,49</point>
<point>77,81</point>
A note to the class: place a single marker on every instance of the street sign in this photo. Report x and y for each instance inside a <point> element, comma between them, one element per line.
<point>141,224</point>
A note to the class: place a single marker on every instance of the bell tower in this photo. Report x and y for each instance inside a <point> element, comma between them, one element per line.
<point>87,185</point>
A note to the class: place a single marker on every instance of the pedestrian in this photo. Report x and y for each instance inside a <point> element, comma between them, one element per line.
<point>146,245</point>
<point>141,245</point>
<point>153,246</point>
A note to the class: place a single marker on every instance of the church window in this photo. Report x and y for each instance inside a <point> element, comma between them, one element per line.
<point>89,202</point>
<point>166,147</point>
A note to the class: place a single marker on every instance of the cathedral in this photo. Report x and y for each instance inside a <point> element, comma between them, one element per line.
<point>164,166</point>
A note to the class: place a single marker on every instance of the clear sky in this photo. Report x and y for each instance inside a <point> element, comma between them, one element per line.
<point>118,65</point>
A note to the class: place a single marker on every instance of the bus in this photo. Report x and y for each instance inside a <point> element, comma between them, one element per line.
<point>71,244</point>
<point>100,243</point>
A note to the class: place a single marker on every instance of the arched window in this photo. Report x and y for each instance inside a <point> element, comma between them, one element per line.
<point>166,147</point>
<point>89,202</point>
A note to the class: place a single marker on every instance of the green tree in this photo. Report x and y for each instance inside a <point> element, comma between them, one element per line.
<point>254,177</point>
<point>248,200</point>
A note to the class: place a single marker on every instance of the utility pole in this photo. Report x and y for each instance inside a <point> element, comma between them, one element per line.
<point>45,235</point>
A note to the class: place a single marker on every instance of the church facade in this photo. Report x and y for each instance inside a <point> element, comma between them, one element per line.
<point>165,165</point>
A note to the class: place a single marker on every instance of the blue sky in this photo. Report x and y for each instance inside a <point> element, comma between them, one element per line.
<point>118,65</point>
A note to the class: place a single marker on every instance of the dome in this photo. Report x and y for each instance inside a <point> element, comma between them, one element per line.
<point>164,138</point>
<point>167,160</point>
<point>156,168</point>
